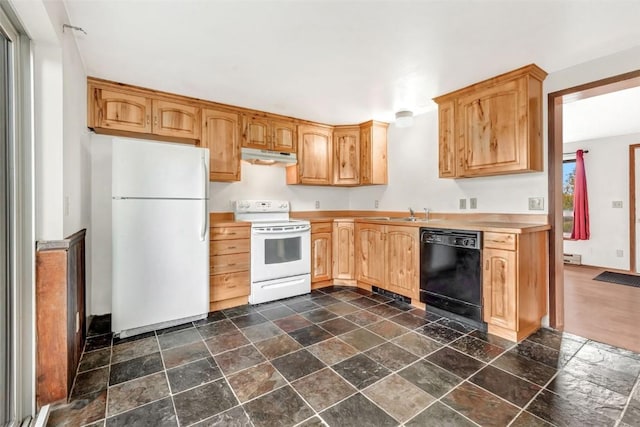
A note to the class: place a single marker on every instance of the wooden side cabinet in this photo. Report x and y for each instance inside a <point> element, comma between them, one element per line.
<point>60,315</point>
<point>220,131</point>
<point>446,140</point>
<point>514,282</point>
<point>229,263</point>
<point>344,269</point>
<point>495,126</point>
<point>321,248</point>
<point>373,149</point>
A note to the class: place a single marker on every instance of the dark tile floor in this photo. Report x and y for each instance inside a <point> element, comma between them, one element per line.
<point>344,357</point>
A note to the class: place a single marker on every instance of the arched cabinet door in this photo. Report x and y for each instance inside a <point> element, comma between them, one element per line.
<point>499,288</point>
<point>403,260</point>
<point>220,131</point>
<point>121,111</point>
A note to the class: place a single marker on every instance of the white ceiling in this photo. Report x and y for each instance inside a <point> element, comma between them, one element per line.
<point>612,114</point>
<point>340,61</point>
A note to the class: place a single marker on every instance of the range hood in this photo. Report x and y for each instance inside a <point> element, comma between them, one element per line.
<point>266,157</point>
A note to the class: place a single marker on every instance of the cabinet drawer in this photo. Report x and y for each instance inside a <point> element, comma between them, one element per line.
<point>232,285</point>
<point>321,227</point>
<point>226,247</point>
<point>500,240</point>
<point>222,233</point>
<point>229,263</point>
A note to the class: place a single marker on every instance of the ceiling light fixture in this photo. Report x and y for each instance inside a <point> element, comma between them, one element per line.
<point>404,118</point>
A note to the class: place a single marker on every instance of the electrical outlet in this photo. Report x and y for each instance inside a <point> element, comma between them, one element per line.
<point>463,204</point>
<point>619,253</point>
<point>473,203</point>
<point>616,204</point>
<point>376,204</point>
<point>536,203</point>
<point>317,204</point>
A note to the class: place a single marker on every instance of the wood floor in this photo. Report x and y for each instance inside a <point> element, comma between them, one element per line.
<point>601,311</point>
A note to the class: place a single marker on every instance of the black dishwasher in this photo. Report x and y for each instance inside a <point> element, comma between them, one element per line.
<point>450,272</point>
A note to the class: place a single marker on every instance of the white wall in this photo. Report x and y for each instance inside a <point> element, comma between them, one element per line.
<point>607,170</point>
<point>413,179</point>
<point>269,182</point>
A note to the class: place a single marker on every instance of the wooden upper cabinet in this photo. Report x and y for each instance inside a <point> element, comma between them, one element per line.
<point>269,134</point>
<point>115,110</point>
<point>255,133</point>
<point>119,111</point>
<point>283,136</point>
<point>373,149</point>
<point>495,126</point>
<point>175,119</point>
<point>220,134</point>
<point>446,140</point>
<point>403,260</point>
<point>315,157</point>
<point>346,161</point>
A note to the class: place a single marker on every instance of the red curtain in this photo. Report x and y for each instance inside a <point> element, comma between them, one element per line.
<point>580,201</point>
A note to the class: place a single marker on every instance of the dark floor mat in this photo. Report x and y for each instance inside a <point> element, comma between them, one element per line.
<point>619,278</point>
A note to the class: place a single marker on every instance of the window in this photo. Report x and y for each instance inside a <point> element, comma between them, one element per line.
<point>568,183</point>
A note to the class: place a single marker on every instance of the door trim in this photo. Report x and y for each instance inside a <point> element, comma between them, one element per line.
<point>554,102</point>
<point>632,206</point>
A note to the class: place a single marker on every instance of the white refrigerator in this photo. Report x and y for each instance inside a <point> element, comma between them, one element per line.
<point>160,235</point>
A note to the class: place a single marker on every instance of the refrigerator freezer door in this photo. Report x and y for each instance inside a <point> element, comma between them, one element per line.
<point>152,169</point>
<point>160,264</point>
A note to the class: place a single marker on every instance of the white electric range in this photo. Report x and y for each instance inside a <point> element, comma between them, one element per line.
<point>280,250</point>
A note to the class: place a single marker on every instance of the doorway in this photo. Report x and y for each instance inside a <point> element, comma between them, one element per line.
<point>557,269</point>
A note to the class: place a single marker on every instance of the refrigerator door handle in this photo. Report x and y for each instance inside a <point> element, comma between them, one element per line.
<point>205,214</point>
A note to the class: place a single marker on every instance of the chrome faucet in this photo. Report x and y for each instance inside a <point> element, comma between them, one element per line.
<point>426,214</point>
<point>412,213</point>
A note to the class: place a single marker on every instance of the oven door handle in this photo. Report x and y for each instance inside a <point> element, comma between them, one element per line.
<point>281,231</point>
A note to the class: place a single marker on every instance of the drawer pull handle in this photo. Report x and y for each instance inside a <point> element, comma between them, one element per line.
<point>231,265</point>
<point>231,247</point>
<point>486,265</point>
<point>233,233</point>
<point>231,287</point>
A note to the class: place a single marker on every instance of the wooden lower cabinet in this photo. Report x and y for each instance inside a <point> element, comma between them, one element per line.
<point>499,287</point>
<point>402,267</point>
<point>230,262</point>
<point>514,281</point>
<point>321,248</point>
<point>389,257</point>
<point>344,268</point>
<point>370,254</point>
